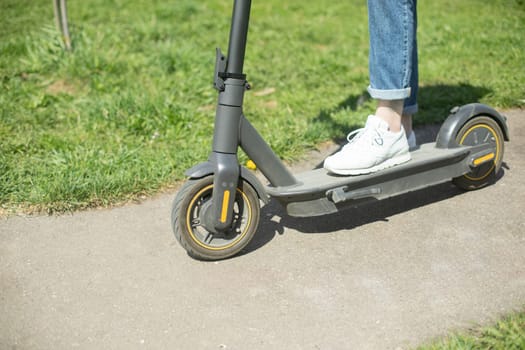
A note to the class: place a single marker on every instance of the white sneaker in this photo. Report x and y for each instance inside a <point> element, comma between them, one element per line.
<point>371,149</point>
<point>412,143</point>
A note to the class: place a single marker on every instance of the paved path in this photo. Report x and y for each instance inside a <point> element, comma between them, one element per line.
<point>387,276</point>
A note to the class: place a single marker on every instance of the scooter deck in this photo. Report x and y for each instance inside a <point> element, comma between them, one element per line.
<point>320,192</point>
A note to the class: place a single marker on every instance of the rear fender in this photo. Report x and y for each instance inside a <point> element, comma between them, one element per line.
<point>460,115</point>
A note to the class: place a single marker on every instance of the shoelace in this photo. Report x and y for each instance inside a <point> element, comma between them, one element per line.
<point>349,137</point>
<point>355,135</point>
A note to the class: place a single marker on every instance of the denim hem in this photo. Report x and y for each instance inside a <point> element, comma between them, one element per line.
<point>392,94</point>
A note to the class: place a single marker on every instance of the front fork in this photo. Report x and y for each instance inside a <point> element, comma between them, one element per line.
<point>225,144</point>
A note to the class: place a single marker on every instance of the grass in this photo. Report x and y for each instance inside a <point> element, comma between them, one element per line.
<point>132,106</point>
<point>507,334</point>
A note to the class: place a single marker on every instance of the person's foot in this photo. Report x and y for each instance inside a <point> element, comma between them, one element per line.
<point>371,149</point>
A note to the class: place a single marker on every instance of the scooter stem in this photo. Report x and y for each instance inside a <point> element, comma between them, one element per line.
<point>232,130</point>
<point>238,36</point>
<point>231,84</point>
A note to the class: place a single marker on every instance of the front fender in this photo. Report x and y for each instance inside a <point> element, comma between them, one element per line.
<point>200,170</point>
<point>207,168</point>
<point>460,115</point>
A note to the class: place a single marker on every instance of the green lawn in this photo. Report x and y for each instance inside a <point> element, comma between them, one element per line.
<point>132,106</point>
<point>507,334</point>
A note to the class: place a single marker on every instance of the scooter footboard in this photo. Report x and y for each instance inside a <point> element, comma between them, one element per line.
<point>320,192</point>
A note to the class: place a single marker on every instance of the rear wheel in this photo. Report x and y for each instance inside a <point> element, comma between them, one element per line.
<point>187,217</point>
<point>476,131</point>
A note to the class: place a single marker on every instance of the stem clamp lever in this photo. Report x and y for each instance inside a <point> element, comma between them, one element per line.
<point>220,68</point>
<point>220,74</point>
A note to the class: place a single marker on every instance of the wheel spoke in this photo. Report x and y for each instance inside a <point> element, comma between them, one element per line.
<point>208,238</point>
<point>196,223</point>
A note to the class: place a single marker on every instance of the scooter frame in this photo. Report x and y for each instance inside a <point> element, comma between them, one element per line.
<point>318,192</point>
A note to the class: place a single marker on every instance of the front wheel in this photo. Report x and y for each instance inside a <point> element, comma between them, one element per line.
<point>187,218</point>
<point>477,131</point>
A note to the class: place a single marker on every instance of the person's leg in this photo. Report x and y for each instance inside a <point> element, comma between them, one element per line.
<point>382,143</point>
<point>411,106</point>
<point>406,121</point>
<point>393,57</point>
<point>390,111</point>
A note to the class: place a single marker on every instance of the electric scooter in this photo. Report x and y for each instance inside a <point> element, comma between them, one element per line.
<point>216,212</point>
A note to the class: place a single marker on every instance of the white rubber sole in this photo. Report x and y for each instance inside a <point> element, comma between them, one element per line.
<point>403,158</point>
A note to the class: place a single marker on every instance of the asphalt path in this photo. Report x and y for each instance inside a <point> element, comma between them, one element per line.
<point>389,275</point>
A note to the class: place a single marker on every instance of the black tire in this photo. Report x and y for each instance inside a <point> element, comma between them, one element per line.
<point>195,238</point>
<point>479,130</point>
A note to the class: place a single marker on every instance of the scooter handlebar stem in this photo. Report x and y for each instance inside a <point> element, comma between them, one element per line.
<point>238,36</point>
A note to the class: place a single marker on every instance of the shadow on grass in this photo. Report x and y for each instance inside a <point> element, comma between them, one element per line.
<point>435,103</point>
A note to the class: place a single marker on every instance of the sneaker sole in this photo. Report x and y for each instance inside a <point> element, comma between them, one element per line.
<point>386,164</point>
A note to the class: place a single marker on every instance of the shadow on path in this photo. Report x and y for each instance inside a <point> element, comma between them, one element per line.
<point>435,102</point>
<point>274,219</point>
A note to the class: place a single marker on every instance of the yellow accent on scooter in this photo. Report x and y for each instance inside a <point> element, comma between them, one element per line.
<point>483,159</point>
<point>225,200</point>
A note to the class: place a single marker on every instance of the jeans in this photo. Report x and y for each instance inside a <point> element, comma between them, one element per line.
<point>393,51</point>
